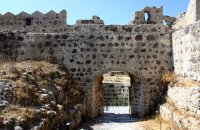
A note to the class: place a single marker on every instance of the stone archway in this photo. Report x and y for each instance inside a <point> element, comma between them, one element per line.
<point>95,97</point>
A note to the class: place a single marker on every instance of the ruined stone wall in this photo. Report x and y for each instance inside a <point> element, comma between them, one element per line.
<point>36,22</point>
<point>185,98</point>
<point>177,118</point>
<point>183,103</point>
<point>89,51</point>
<point>94,20</point>
<point>97,97</point>
<point>182,106</point>
<point>186,51</point>
<point>152,15</point>
<point>116,94</point>
<point>186,48</point>
<point>193,12</point>
<point>191,16</point>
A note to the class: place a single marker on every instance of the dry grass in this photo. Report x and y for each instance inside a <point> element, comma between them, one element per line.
<point>168,77</point>
<point>175,109</point>
<point>41,75</point>
<point>26,96</point>
<point>157,124</point>
<point>176,112</point>
<point>44,66</point>
<point>171,76</point>
<point>187,83</point>
<point>99,80</point>
<point>62,81</point>
<point>32,80</point>
<point>179,112</point>
<point>17,111</point>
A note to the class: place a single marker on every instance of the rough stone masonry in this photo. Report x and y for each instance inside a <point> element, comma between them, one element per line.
<point>116,85</point>
<point>184,93</point>
<point>90,49</point>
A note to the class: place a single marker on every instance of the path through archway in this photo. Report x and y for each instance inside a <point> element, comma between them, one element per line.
<point>113,90</point>
<point>116,92</point>
<point>112,99</point>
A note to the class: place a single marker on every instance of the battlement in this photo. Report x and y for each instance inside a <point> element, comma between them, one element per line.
<point>94,20</point>
<point>25,19</point>
<point>53,22</point>
<point>35,21</point>
<point>152,15</point>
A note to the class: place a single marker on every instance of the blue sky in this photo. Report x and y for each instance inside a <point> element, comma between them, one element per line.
<point>111,11</point>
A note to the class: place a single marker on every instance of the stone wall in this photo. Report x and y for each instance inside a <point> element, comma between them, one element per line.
<point>193,12</point>
<point>36,22</point>
<point>186,48</point>
<point>182,107</point>
<point>185,98</point>
<point>191,16</point>
<point>97,97</point>
<point>89,51</point>
<point>94,20</point>
<point>116,94</point>
<point>178,119</point>
<point>186,51</point>
<point>152,15</point>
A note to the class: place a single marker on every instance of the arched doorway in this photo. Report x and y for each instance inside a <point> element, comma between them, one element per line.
<point>116,87</point>
<point>97,101</point>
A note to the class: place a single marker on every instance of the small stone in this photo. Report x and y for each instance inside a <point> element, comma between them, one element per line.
<point>22,122</point>
<point>44,90</point>
<point>2,106</point>
<point>51,114</point>
<point>65,36</point>
<point>53,103</point>
<point>47,44</point>
<point>79,106</point>
<point>44,97</point>
<point>47,106</point>
<point>151,37</point>
<point>8,122</point>
<point>138,38</point>
<point>43,110</point>
<point>36,128</point>
<point>72,111</point>
<point>3,73</point>
<point>198,113</point>
<point>18,128</point>
<point>37,111</point>
<point>50,93</point>
<point>59,107</point>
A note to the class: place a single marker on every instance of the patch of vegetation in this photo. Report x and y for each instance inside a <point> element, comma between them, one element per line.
<point>38,90</point>
<point>187,83</point>
<point>19,113</point>
<point>168,78</point>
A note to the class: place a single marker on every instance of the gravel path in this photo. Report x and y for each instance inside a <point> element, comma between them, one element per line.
<point>115,118</point>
